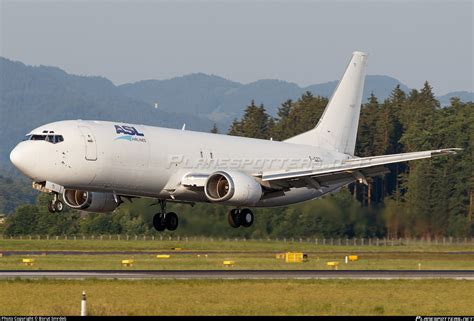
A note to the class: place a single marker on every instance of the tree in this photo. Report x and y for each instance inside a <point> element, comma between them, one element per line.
<point>296,118</point>
<point>23,221</point>
<point>284,109</point>
<point>236,128</point>
<point>214,129</point>
<point>254,123</point>
<point>367,127</point>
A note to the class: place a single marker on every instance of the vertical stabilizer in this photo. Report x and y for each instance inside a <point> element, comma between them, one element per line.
<point>337,128</point>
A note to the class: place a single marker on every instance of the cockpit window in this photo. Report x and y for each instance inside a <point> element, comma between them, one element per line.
<point>49,138</point>
<point>38,137</point>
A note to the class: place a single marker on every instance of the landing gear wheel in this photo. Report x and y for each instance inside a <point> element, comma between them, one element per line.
<point>51,207</point>
<point>233,218</point>
<point>171,221</point>
<point>159,222</point>
<point>246,217</point>
<point>58,206</point>
<point>163,220</point>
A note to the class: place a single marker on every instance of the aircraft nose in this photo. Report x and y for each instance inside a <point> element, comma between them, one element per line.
<point>15,156</point>
<point>23,159</point>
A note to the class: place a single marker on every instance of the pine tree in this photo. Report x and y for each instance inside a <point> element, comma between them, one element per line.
<point>254,123</point>
<point>299,117</point>
<point>420,195</point>
<point>236,128</point>
<point>284,109</point>
<point>367,127</point>
<point>214,129</point>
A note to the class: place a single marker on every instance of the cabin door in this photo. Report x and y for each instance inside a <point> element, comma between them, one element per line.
<point>90,144</point>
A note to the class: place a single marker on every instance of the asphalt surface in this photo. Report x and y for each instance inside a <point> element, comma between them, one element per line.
<point>240,274</point>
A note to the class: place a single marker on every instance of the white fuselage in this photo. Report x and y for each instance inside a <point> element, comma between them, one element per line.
<point>138,160</point>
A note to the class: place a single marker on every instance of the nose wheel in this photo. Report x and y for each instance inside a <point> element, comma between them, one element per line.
<point>165,221</point>
<point>55,205</point>
<point>240,217</point>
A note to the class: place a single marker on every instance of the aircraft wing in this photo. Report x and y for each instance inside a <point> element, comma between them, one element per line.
<point>357,168</point>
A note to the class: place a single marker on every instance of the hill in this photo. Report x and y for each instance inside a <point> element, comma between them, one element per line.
<point>222,100</point>
<point>462,95</point>
<point>32,96</point>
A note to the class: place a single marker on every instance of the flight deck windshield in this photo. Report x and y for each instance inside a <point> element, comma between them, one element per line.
<point>51,138</point>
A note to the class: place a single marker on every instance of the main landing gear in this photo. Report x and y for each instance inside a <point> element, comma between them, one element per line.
<point>240,217</point>
<point>163,220</point>
<point>55,205</point>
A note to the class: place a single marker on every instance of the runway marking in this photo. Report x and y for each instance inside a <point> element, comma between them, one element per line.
<point>241,274</point>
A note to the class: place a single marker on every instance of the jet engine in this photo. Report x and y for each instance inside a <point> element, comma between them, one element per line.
<point>233,188</point>
<point>90,201</point>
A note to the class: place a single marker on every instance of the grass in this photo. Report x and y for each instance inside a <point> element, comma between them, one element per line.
<point>370,261</point>
<point>248,255</point>
<point>235,297</point>
<point>231,297</point>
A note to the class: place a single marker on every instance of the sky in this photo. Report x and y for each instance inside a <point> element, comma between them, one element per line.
<point>305,42</point>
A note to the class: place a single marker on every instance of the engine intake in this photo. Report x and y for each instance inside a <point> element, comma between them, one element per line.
<point>90,201</point>
<point>233,188</point>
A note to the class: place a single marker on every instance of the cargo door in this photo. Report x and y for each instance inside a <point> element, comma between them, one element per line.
<point>89,140</point>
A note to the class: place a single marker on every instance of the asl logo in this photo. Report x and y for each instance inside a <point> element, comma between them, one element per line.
<point>130,134</point>
<point>128,130</point>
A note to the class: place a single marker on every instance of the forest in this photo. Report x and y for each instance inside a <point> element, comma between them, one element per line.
<point>425,199</point>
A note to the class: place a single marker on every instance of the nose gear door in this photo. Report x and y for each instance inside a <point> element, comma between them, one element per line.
<point>90,144</point>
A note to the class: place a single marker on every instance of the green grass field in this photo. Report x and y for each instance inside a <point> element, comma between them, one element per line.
<point>247,255</point>
<point>372,261</point>
<point>231,297</point>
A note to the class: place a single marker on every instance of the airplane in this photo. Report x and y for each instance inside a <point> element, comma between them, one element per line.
<point>95,165</point>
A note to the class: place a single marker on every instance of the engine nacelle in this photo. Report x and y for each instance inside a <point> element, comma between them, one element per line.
<point>233,188</point>
<point>90,201</point>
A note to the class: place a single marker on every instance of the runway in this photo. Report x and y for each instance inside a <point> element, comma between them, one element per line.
<point>240,274</point>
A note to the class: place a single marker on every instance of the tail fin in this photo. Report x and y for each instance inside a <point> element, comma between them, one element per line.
<point>337,128</point>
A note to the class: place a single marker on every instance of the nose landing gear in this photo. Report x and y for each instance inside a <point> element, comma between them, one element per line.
<point>55,205</point>
<point>163,220</point>
<point>240,217</point>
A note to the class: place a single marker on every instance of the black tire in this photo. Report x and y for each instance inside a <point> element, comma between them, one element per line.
<point>246,217</point>
<point>233,218</point>
<point>58,206</point>
<point>51,207</point>
<point>171,221</point>
<point>158,222</point>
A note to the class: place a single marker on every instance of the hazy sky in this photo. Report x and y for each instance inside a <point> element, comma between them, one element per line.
<point>305,42</point>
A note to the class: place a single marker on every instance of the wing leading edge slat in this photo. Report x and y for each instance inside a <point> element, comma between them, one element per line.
<point>353,165</point>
